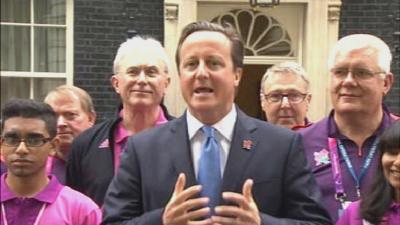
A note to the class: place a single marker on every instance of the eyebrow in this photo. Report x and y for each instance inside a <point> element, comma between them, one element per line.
<point>14,133</point>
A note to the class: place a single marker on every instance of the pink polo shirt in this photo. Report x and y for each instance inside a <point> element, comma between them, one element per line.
<point>63,206</point>
<point>121,136</point>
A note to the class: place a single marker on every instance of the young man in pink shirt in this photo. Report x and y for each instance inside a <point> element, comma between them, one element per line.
<point>28,195</point>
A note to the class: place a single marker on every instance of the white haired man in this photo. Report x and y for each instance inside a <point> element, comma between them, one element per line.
<point>342,147</point>
<point>140,79</point>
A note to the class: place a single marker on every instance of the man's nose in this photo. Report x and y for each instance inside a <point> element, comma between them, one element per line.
<point>349,78</point>
<point>21,148</point>
<point>285,102</point>
<point>201,70</point>
<point>61,121</point>
<point>142,76</point>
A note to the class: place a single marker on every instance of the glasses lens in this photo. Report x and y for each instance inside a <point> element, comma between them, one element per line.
<point>30,142</point>
<point>11,141</point>
<point>340,72</point>
<point>362,73</point>
<point>35,142</point>
<point>295,97</point>
<point>274,97</point>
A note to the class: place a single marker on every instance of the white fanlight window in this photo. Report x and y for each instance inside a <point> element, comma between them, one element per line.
<point>262,34</point>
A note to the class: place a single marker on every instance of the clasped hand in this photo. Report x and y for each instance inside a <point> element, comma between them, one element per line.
<point>184,209</point>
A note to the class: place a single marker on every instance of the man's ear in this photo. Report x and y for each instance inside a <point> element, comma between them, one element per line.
<point>308,99</point>
<point>388,82</point>
<point>55,145</point>
<point>92,117</point>
<point>114,82</point>
<point>238,76</point>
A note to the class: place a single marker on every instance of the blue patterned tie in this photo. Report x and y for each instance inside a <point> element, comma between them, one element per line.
<point>209,167</point>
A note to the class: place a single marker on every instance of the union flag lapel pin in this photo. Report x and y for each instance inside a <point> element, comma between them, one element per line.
<point>247,144</point>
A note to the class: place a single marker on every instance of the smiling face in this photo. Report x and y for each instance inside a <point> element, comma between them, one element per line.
<point>353,95</point>
<point>23,161</point>
<point>391,169</point>
<point>285,113</point>
<point>141,81</point>
<point>207,75</point>
<point>72,118</point>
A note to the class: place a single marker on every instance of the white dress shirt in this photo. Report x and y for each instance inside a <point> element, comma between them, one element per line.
<point>224,132</point>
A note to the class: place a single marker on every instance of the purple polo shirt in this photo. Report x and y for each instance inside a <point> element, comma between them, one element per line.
<point>315,140</point>
<point>25,210</point>
<point>351,216</point>
<point>64,206</point>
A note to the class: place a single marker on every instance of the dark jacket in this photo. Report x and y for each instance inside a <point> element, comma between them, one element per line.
<point>90,167</point>
<point>284,189</point>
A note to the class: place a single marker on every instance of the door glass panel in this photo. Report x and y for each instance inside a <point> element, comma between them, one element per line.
<point>15,48</point>
<point>49,49</point>
<point>17,11</point>
<point>49,11</point>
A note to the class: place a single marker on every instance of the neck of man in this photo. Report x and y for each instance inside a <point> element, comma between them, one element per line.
<point>27,186</point>
<point>358,127</point>
<point>63,152</point>
<point>136,120</point>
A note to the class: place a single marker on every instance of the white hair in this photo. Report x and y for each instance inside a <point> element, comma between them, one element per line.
<point>363,41</point>
<point>141,45</point>
<point>283,68</point>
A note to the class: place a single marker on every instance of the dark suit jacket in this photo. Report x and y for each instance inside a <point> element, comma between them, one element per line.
<point>284,188</point>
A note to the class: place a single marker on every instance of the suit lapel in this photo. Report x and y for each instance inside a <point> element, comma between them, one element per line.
<point>242,148</point>
<point>181,154</point>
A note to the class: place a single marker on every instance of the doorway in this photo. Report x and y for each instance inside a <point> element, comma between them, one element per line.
<point>248,96</point>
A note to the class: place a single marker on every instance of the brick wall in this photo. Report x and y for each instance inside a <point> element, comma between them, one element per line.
<point>380,18</point>
<point>100,26</point>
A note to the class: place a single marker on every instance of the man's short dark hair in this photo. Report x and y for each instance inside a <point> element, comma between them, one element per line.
<point>237,48</point>
<point>28,108</point>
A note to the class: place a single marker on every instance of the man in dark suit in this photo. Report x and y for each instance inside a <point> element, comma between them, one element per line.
<point>265,178</point>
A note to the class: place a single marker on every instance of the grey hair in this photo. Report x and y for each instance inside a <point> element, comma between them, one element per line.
<point>282,68</point>
<point>139,45</point>
<point>363,41</point>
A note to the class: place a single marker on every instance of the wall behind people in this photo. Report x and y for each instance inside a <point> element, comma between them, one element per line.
<point>99,28</point>
<point>377,18</point>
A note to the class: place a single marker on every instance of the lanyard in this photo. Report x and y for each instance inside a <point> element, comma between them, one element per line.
<point>336,172</point>
<point>40,214</point>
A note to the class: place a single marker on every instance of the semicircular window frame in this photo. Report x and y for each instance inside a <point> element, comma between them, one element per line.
<point>262,34</point>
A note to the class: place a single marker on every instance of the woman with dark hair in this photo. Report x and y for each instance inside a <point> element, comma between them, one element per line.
<point>381,206</point>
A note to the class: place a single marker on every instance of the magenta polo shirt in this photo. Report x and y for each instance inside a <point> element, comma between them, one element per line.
<point>63,206</point>
<point>121,136</point>
<point>351,216</point>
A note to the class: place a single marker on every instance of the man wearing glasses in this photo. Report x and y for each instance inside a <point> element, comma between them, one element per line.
<point>28,195</point>
<point>285,95</point>
<point>342,147</point>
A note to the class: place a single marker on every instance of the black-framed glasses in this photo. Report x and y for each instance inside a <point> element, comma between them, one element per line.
<point>358,73</point>
<point>29,142</point>
<point>294,98</point>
